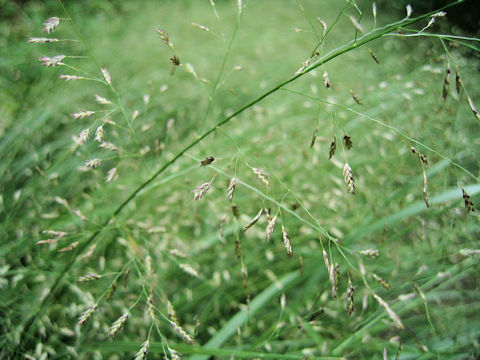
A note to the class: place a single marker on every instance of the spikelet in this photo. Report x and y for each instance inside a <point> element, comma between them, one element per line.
<point>143,352</point>
<point>110,291</point>
<point>231,189</point>
<point>174,355</point>
<point>108,146</point>
<point>99,134</point>
<point>389,311</point>
<point>334,278</point>
<point>52,61</point>
<point>458,81</point>
<point>270,228</point>
<point>86,315</point>
<point>175,60</point>
<point>118,324</point>
<point>356,24</point>
<point>165,38</point>
<point>261,175</point>
<point>381,281</point>
<point>171,312</point>
<point>374,56</point>
<point>333,147</point>
<point>111,175</point>
<point>331,274</point>
<point>182,333</point>
<point>349,179</point>
<point>101,100</point>
<point>82,114</point>
<point>473,108</point>
<point>468,201</point>
<point>208,160</point>
<point>106,76</point>
<point>238,250</point>
<point>253,221</point>
<point>370,252</point>
<point>94,163</point>
<point>188,269</point>
<point>201,190</point>
<point>69,247</point>
<point>314,137</point>
<point>287,242</point>
<point>71,77</point>
<point>355,97</point>
<point>349,298</point>
<point>326,80</point>
<point>446,83</point>
<point>201,27</point>
<point>425,195</point>
<point>87,278</point>
<point>35,40</point>
<point>420,292</point>
<point>347,141</point>
<point>409,10</point>
<point>51,24</point>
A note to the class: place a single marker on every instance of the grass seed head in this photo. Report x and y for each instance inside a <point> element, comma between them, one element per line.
<point>51,24</point>
<point>201,190</point>
<point>87,278</point>
<point>94,163</point>
<point>253,221</point>
<point>381,281</point>
<point>101,100</point>
<point>35,40</point>
<point>188,269</point>
<point>271,228</point>
<point>349,298</point>
<point>82,114</point>
<point>370,252</point>
<point>349,179</point>
<point>99,134</point>
<point>108,146</point>
<point>458,81</point>
<point>355,97</point>
<point>174,355</point>
<point>390,312</point>
<point>231,189</point>
<point>287,242</point>
<point>86,315</point>
<point>110,291</point>
<point>326,80</point>
<point>118,324</point>
<point>347,141</point>
<point>374,56</point>
<point>446,83</point>
<point>70,77</point>
<point>143,352</point>
<point>175,60</point>
<point>106,76</point>
<point>357,25</point>
<point>333,147</point>
<point>262,175</point>
<point>473,108</point>
<point>468,201</point>
<point>182,333</point>
<point>52,61</point>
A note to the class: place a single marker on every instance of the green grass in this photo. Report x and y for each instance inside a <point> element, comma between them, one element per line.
<point>262,116</point>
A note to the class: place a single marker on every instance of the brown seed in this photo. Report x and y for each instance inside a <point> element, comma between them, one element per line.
<point>374,56</point>
<point>333,147</point>
<point>356,98</point>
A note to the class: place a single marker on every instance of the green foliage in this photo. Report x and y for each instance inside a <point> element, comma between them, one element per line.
<point>85,254</point>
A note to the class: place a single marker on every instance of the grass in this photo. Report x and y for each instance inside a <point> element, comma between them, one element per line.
<point>241,102</point>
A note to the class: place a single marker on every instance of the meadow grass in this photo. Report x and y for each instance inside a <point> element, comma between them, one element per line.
<point>137,263</point>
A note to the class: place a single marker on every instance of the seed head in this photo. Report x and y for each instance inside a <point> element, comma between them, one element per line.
<point>189,270</point>
<point>333,147</point>
<point>70,77</point>
<point>231,189</point>
<point>374,56</point>
<point>326,80</point>
<point>356,24</point>
<point>261,175</point>
<point>84,135</point>
<point>468,201</point>
<point>349,179</point>
<point>102,100</point>
<point>287,242</point>
<point>118,324</point>
<point>201,190</point>
<point>34,40</point>
<point>349,298</point>
<point>99,134</point>
<point>381,281</point>
<point>94,163</point>
<point>111,175</point>
<point>355,97</point>
<point>87,278</point>
<point>164,37</point>
<point>271,227</point>
<point>175,60</point>
<point>347,141</point>
<point>108,146</point>
<point>51,24</point>
<point>370,252</point>
<point>253,221</point>
<point>86,315</point>
<point>182,333</point>
<point>174,354</point>
<point>82,114</point>
<point>52,61</point>
<point>389,311</point>
<point>106,75</point>
<point>143,352</point>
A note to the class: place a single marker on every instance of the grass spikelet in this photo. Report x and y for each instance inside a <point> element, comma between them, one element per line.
<point>106,76</point>
<point>468,201</point>
<point>110,291</point>
<point>70,77</point>
<point>165,38</point>
<point>118,324</point>
<point>314,137</point>
<point>374,56</point>
<point>86,315</point>
<point>87,278</point>
<point>175,60</point>
<point>333,147</point>
<point>473,108</point>
<point>201,190</point>
<point>389,311</point>
<point>262,175</point>
<point>108,146</point>
<point>143,352</point>
<point>458,81</point>
<point>35,40</point>
<point>111,175</point>
<point>349,298</point>
<point>370,252</point>
<point>101,100</point>
<point>208,160</point>
<point>238,250</point>
<point>201,27</point>
<point>51,24</point>
<point>69,247</point>
<point>381,281</point>
<point>287,242</point>
<point>253,221</point>
<point>52,61</point>
<point>331,273</point>
<point>174,355</point>
<point>94,163</point>
<point>270,228</point>
<point>446,83</point>
<point>82,114</point>
<point>182,333</point>
<point>420,292</point>
<point>347,141</point>
<point>188,269</point>
<point>231,189</point>
<point>326,80</point>
<point>349,179</point>
<point>355,97</point>
<point>356,24</point>
<point>99,134</point>
<point>171,312</point>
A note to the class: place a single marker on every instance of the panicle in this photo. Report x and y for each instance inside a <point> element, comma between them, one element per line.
<point>349,298</point>
<point>326,80</point>
<point>389,311</point>
<point>468,201</point>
